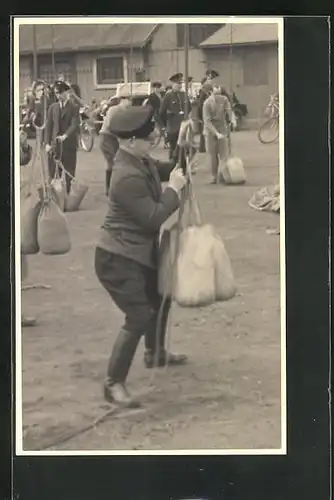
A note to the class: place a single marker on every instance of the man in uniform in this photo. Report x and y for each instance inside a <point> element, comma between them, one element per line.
<point>61,131</point>
<point>172,111</point>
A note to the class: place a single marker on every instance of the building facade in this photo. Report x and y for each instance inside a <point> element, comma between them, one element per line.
<point>97,58</point>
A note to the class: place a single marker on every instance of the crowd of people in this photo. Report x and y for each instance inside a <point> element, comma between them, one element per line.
<point>126,256</point>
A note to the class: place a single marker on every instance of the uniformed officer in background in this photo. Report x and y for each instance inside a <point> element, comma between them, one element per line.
<point>172,111</point>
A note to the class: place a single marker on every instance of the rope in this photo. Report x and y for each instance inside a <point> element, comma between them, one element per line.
<point>186,196</point>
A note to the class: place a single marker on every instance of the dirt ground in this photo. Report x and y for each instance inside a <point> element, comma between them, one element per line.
<point>227,397</point>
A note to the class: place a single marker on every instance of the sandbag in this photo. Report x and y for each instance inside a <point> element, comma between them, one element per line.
<point>53,234</point>
<point>225,285</point>
<point>74,198</point>
<point>30,208</point>
<point>195,268</point>
<point>58,185</point>
<point>233,171</point>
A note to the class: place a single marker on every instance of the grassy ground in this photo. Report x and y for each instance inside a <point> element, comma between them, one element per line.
<point>228,396</point>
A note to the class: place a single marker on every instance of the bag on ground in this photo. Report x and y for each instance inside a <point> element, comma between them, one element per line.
<point>74,198</point>
<point>58,186</point>
<point>30,208</point>
<point>53,232</point>
<point>233,171</point>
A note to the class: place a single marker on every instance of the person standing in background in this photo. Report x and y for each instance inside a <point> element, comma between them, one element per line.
<point>172,111</point>
<point>154,100</point>
<point>61,132</point>
<point>108,141</point>
<point>210,78</point>
<point>216,111</point>
<point>202,96</point>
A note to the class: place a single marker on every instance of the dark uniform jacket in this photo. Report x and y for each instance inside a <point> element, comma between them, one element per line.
<point>172,110</point>
<point>63,121</point>
<point>155,102</point>
<point>137,207</point>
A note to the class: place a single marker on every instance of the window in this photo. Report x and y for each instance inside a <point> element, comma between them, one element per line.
<point>139,75</point>
<point>110,70</point>
<point>197,33</point>
<point>255,67</point>
<point>47,75</point>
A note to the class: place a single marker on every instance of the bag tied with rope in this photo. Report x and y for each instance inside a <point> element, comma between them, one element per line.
<point>194,266</point>
<point>232,170</point>
<point>30,207</point>
<point>58,187</point>
<point>77,193</point>
<point>53,232</point>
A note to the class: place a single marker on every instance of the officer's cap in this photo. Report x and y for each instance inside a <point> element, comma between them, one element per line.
<point>177,78</point>
<point>60,86</point>
<point>135,121</point>
<point>211,73</point>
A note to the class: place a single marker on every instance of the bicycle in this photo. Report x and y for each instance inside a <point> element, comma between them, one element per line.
<point>271,124</point>
<point>86,135</point>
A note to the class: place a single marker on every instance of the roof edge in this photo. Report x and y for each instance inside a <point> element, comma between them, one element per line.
<point>217,46</point>
<point>86,49</point>
<point>150,34</point>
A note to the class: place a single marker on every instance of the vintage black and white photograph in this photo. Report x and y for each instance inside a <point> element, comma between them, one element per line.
<point>149,236</point>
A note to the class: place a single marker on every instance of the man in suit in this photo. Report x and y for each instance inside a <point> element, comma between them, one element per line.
<point>172,111</point>
<point>61,132</point>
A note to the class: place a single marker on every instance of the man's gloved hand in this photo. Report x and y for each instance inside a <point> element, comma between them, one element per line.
<point>177,180</point>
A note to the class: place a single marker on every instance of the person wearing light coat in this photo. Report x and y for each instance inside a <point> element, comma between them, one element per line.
<point>216,109</point>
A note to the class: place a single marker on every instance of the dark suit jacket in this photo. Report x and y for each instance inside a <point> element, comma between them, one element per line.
<point>63,121</point>
<point>137,207</point>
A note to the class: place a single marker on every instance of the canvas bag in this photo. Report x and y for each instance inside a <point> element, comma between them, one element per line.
<point>232,170</point>
<point>58,185</point>
<point>30,207</point>
<point>195,268</point>
<point>53,232</point>
<point>224,278</point>
<point>76,195</point>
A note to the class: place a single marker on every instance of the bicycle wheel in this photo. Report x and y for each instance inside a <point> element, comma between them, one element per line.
<point>268,131</point>
<point>86,138</point>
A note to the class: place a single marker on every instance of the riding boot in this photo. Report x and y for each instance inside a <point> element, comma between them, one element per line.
<point>155,353</point>
<point>118,368</point>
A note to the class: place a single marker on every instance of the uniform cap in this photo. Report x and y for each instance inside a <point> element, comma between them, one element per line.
<point>212,73</point>
<point>135,121</point>
<point>177,78</point>
<point>60,86</point>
